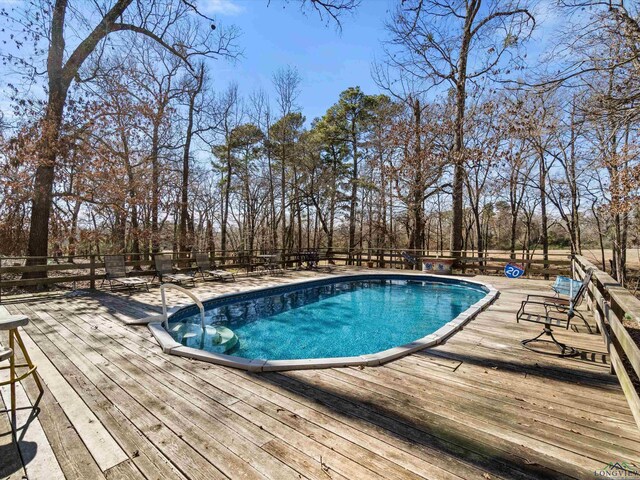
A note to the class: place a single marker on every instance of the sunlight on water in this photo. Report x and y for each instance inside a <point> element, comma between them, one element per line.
<point>341,319</point>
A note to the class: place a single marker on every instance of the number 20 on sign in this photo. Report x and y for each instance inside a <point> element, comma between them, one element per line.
<point>511,270</point>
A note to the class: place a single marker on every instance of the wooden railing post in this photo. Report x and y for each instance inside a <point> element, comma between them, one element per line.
<point>613,305</point>
<point>92,271</point>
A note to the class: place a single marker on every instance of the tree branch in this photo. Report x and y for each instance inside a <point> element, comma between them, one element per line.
<point>87,46</point>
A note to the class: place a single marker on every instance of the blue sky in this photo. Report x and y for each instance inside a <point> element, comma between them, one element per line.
<point>277,33</point>
<point>329,61</point>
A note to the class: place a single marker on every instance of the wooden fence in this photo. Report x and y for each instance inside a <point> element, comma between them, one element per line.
<point>88,270</point>
<point>611,305</point>
<point>492,263</point>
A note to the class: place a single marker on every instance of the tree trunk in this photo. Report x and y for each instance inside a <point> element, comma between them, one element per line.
<point>155,187</point>
<point>576,241</point>
<point>226,195</point>
<point>74,230</point>
<point>417,235</point>
<point>44,179</point>
<point>283,188</point>
<point>458,133</point>
<point>59,80</point>
<point>543,213</point>
<point>354,191</point>
<point>185,241</point>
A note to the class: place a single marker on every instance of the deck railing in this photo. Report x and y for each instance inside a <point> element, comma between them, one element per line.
<point>88,270</point>
<point>611,305</point>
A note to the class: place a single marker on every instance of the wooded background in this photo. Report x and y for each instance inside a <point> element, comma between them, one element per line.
<point>132,147</point>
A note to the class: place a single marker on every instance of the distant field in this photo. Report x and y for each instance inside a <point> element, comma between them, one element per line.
<point>593,255</point>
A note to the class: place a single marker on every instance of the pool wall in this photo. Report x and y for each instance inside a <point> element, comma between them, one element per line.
<point>169,345</point>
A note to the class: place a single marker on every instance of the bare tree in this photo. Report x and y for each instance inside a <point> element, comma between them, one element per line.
<point>286,82</point>
<point>230,112</point>
<point>433,40</point>
<point>193,91</point>
<point>154,19</point>
<point>158,20</point>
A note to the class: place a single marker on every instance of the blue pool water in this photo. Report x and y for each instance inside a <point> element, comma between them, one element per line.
<point>347,318</point>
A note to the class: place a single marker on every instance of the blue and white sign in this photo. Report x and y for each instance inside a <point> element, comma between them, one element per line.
<point>512,270</point>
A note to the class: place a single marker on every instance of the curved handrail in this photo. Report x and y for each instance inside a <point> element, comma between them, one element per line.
<point>163,287</point>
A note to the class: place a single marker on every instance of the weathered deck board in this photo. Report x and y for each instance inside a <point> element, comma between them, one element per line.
<point>235,393</point>
<point>512,394</point>
<point>175,394</point>
<point>498,410</point>
<point>149,459</point>
<point>201,410</point>
<point>97,359</point>
<point>246,392</point>
<point>104,450</point>
<point>35,450</point>
<point>11,467</point>
<point>478,406</point>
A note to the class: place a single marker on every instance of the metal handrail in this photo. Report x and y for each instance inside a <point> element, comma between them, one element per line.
<point>163,287</point>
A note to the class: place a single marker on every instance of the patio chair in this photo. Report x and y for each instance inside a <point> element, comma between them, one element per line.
<point>568,291</point>
<point>566,286</point>
<point>409,260</point>
<point>274,264</point>
<point>166,273</point>
<point>205,267</point>
<point>117,273</point>
<point>558,312</point>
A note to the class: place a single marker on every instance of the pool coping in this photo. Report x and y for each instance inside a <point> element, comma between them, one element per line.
<point>170,346</point>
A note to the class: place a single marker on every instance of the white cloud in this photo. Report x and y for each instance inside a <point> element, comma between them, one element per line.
<point>222,7</point>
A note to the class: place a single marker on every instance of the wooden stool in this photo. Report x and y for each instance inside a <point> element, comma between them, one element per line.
<point>12,323</point>
<point>5,353</point>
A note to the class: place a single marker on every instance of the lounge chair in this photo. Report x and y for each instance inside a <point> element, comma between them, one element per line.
<point>117,273</point>
<point>206,268</point>
<point>409,260</point>
<point>165,272</point>
<point>558,312</point>
<point>270,264</point>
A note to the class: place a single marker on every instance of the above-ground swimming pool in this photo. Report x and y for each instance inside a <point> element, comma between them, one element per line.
<point>341,320</point>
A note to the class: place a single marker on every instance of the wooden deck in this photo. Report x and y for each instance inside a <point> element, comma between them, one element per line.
<point>479,406</point>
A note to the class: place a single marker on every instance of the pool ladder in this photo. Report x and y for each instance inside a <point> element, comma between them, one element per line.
<point>163,287</point>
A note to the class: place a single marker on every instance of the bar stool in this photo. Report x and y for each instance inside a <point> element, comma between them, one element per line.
<point>11,323</point>
<point>5,353</point>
